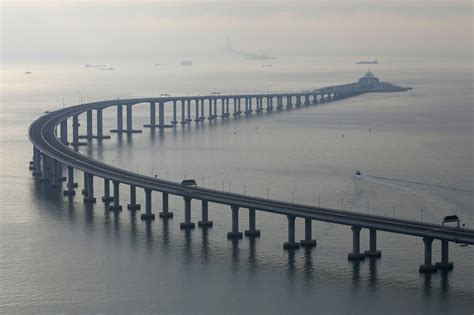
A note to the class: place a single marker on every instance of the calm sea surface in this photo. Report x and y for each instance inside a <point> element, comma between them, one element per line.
<point>414,149</point>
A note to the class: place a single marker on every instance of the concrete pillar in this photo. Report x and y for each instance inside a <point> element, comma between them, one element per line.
<point>196,109</point>
<point>183,112</point>
<point>133,199</point>
<point>445,263</point>
<point>89,124</point>
<point>165,213</point>
<point>116,205</point>
<point>227,113</point>
<point>291,244</point>
<point>239,111</point>
<point>235,107</point>
<point>235,234</point>
<point>203,116</point>
<point>75,130</point>
<point>129,118</point>
<point>187,224</point>
<point>148,215</point>
<point>174,122</point>
<point>189,111</point>
<point>215,108</point>
<point>86,184</point>
<point>252,232</point>
<point>223,108</point>
<point>428,266</point>
<point>210,117</point>
<point>100,128</point>
<point>356,254</point>
<point>37,160</point>
<point>119,120</point>
<point>205,216</point>
<point>89,198</point>
<point>55,176</point>
<point>70,182</point>
<point>308,240</point>
<point>107,198</point>
<point>64,132</point>
<point>373,252</point>
<point>152,123</point>
<point>45,168</point>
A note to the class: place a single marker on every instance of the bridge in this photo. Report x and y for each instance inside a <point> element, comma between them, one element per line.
<point>52,153</point>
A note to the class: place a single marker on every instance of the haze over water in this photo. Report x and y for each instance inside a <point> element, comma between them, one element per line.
<point>61,256</point>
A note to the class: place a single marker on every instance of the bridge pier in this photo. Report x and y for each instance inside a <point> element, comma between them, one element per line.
<point>205,216</point>
<point>70,183</point>
<point>148,215</point>
<point>107,198</point>
<point>165,214</point>
<point>63,127</point>
<point>116,205</point>
<point>183,112</point>
<point>75,132</point>
<point>252,231</point>
<point>428,266</point>
<point>445,263</point>
<point>119,120</point>
<point>308,240</point>
<point>86,185</point>
<point>89,125</point>
<point>196,109</point>
<point>133,205</point>
<point>130,121</point>
<point>235,234</point>
<point>203,116</point>
<point>279,103</point>
<point>315,99</point>
<point>227,113</point>
<point>373,252</point>
<point>174,122</point>
<point>214,116</point>
<point>187,224</point>
<point>189,112</point>
<point>100,128</point>
<point>291,244</point>
<point>55,176</point>
<point>223,108</point>
<point>356,254</point>
<point>37,162</point>
<point>89,197</point>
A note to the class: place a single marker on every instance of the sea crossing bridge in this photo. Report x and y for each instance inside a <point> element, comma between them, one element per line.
<point>52,153</point>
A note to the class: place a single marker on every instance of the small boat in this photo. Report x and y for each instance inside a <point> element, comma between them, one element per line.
<point>368,62</point>
<point>357,172</point>
<point>28,72</point>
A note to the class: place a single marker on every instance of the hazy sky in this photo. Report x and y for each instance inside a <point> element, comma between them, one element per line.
<point>88,31</point>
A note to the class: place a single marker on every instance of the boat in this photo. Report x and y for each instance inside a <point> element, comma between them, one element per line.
<point>186,63</point>
<point>87,65</point>
<point>357,172</point>
<point>368,62</point>
<point>28,72</point>
<point>109,68</point>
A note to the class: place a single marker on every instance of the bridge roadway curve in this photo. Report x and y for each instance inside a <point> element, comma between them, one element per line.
<point>42,135</point>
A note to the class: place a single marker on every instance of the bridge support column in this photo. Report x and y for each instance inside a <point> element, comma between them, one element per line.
<point>291,244</point>
<point>187,224</point>
<point>214,115</point>
<point>205,216</point>
<point>100,128</point>
<point>89,198</point>
<point>203,117</point>
<point>86,184</point>
<point>55,176</point>
<point>235,234</point>
<point>45,169</point>
<point>356,254</point>
<point>174,122</point>
<point>223,108</point>
<point>252,232</point>
<point>165,214</point>
<point>107,198</point>
<point>130,120</point>
<point>427,266</point>
<point>183,112</point>
<point>89,124</point>
<point>64,132</point>
<point>373,252</point>
<point>148,215</point>
<point>308,240</point>
<point>445,263</point>
<point>37,161</point>
<point>70,182</point>
<point>227,113</point>
<point>196,109</point>
<point>75,132</point>
<point>116,205</point>
<point>119,120</point>
<point>189,111</point>
<point>210,117</point>
<point>133,205</point>
<point>152,123</point>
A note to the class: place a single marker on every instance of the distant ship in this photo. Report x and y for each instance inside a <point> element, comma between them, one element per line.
<point>28,72</point>
<point>368,62</point>
<point>186,63</point>
<point>109,68</point>
<point>87,65</point>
